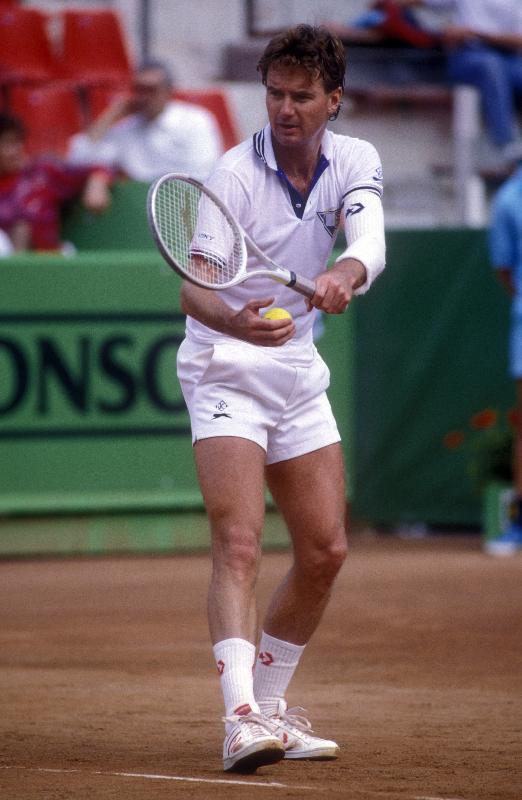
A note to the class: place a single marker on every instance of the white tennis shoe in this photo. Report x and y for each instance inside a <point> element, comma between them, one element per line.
<point>293,729</point>
<point>250,743</point>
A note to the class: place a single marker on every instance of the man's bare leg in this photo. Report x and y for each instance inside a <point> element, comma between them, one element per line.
<point>310,493</point>
<point>231,477</point>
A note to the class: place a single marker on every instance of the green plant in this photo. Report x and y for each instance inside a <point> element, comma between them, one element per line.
<point>486,442</point>
<point>490,457</point>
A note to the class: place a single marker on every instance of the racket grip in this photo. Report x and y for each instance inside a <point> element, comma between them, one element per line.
<point>302,285</point>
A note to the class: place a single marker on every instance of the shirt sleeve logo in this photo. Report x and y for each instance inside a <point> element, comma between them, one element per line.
<point>354,209</point>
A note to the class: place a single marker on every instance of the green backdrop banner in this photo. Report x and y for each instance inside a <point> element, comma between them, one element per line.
<point>91,412</point>
<point>432,391</point>
<point>92,418</point>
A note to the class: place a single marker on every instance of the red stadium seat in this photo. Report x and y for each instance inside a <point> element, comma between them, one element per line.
<point>51,114</point>
<point>3,99</point>
<point>25,48</point>
<point>94,48</point>
<point>216,102</point>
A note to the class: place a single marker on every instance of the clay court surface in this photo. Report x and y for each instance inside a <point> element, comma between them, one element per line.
<point>108,689</point>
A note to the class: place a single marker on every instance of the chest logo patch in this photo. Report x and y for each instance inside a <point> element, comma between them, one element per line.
<point>330,220</point>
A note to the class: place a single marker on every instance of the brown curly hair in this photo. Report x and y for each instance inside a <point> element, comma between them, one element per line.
<point>316,49</point>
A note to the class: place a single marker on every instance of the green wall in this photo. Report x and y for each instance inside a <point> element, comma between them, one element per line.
<point>123,226</point>
<point>91,414</point>
<point>430,360</point>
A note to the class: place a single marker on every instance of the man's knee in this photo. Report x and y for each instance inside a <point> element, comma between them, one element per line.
<point>236,550</point>
<point>324,560</point>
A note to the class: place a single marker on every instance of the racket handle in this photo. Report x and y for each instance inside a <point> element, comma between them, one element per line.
<point>301,285</point>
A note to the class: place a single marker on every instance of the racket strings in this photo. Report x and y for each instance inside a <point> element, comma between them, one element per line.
<point>197,234</point>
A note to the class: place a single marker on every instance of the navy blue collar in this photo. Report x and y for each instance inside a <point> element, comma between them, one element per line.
<point>298,201</point>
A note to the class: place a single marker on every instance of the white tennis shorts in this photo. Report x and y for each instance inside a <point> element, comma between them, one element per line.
<point>235,390</point>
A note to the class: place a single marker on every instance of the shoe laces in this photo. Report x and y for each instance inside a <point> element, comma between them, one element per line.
<point>295,716</point>
<point>256,722</point>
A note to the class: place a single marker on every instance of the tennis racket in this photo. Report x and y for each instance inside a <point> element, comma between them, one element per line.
<point>198,236</point>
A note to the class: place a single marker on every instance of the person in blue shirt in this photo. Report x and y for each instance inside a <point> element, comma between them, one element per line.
<point>505,243</point>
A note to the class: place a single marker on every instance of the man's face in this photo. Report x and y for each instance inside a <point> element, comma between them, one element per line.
<point>12,152</point>
<point>298,105</point>
<point>150,92</point>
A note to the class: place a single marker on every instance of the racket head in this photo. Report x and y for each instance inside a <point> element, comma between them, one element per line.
<point>195,232</point>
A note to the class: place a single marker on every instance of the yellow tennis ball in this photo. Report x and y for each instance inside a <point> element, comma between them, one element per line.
<point>278,313</point>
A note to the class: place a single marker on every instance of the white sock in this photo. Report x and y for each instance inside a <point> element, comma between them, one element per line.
<point>275,666</point>
<point>235,660</point>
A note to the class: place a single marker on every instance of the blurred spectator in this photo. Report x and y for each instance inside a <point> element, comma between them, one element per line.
<point>386,23</point>
<point>506,257</point>
<point>484,47</point>
<point>32,191</point>
<point>146,133</point>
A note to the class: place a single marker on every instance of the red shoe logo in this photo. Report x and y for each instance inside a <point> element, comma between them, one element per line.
<point>243,710</point>
<point>266,658</point>
<point>220,666</point>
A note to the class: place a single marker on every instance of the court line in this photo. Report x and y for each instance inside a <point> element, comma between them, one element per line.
<point>152,776</point>
<point>186,779</point>
<point>425,797</point>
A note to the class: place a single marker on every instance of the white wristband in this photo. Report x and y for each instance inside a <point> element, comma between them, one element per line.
<point>370,252</point>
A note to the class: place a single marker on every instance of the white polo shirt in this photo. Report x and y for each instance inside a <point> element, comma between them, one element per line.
<point>183,138</point>
<point>347,190</point>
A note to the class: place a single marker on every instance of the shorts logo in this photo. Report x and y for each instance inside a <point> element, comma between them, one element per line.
<point>221,409</point>
<point>266,658</point>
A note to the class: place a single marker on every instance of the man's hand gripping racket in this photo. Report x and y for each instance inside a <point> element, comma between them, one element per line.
<point>198,236</point>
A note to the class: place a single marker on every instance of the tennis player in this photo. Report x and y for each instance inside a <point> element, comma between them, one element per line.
<point>255,388</point>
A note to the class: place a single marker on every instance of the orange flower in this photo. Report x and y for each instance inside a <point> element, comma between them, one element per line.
<point>484,419</point>
<point>453,440</point>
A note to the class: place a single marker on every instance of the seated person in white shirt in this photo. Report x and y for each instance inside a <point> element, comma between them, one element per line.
<point>145,133</point>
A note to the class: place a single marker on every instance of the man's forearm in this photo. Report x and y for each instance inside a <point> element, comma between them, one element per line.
<point>118,109</point>
<point>206,306</point>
